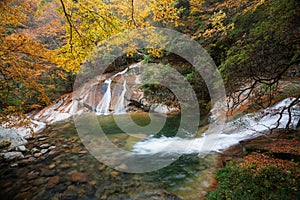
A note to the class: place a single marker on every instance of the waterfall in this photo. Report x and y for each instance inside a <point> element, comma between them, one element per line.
<point>103,106</point>
<point>119,73</point>
<point>245,127</point>
<point>120,108</point>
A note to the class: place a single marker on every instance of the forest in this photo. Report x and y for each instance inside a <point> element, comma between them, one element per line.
<point>51,51</point>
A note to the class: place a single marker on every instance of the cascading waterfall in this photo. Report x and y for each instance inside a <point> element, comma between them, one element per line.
<point>119,73</point>
<point>103,106</point>
<point>120,107</point>
<point>248,126</point>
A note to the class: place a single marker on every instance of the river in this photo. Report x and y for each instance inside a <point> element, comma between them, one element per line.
<point>66,169</point>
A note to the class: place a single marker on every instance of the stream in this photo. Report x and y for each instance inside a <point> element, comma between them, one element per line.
<point>58,166</point>
<point>70,160</point>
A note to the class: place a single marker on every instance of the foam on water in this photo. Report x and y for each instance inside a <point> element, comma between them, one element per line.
<point>248,126</point>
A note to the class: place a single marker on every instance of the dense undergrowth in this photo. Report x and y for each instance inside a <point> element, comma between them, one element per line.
<point>237,182</point>
<point>268,172</point>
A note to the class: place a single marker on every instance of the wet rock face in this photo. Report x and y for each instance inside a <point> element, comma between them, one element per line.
<point>125,85</point>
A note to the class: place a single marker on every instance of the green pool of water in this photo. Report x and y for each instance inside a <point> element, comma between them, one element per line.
<point>70,172</point>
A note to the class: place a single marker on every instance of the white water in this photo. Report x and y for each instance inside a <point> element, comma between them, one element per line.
<point>119,73</point>
<point>104,104</point>
<point>17,135</point>
<point>120,107</point>
<point>248,126</point>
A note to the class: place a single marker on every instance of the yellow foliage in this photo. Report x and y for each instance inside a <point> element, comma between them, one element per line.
<point>195,5</point>
<point>218,25</point>
<point>22,61</point>
<point>247,5</point>
<point>88,23</point>
<point>165,11</point>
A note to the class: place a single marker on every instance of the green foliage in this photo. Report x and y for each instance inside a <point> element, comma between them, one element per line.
<point>263,41</point>
<point>190,76</point>
<point>147,58</point>
<point>245,183</point>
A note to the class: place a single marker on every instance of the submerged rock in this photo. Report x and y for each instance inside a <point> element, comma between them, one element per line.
<point>53,181</point>
<point>4,144</point>
<point>22,148</point>
<point>32,175</point>
<point>52,166</point>
<point>52,147</point>
<point>34,150</point>
<point>43,151</point>
<point>114,174</point>
<point>70,193</point>
<point>37,155</point>
<point>80,177</point>
<point>23,195</point>
<point>12,155</point>
<point>44,146</point>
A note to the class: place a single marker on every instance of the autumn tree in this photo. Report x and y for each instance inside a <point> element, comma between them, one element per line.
<point>266,52</point>
<point>22,61</point>
<point>89,23</point>
<point>257,52</point>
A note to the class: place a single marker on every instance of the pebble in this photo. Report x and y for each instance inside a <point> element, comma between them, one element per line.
<point>39,181</point>
<point>22,173</point>
<point>32,175</point>
<point>14,165</point>
<point>114,174</point>
<point>43,146</point>
<point>52,166</point>
<point>76,150</point>
<point>43,151</point>
<point>37,155</point>
<point>80,177</point>
<point>34,150</point>
<point>29,160</point>
<point>23,195</point>
<point>40,195</point>
<point>29,137</point>
<point>52,147</point>
<point>70,193</point>
<point>12,155</point>
<point>5,144</point>
<point>22,148</point>
<point>101,167</point>
<point>24,189</point>
<point>93,182</point>
<point>64,165</point>
<point>53,181</point>
<point>47,172</point>
<point>42,139</point>
<point>52,152</point>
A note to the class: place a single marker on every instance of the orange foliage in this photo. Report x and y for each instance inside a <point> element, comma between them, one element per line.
<point>260,161</point>
<point>285,146</point>
<point>22,61</point>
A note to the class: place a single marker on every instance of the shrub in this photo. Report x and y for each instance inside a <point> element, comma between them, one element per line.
<point>245,183</point>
